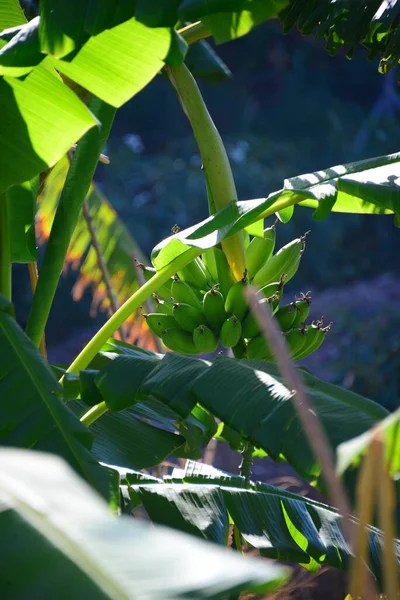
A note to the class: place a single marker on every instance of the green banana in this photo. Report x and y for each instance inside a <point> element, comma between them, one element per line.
<point>187,316</point>
<point>225,276</point>
<point>302,308</point>
<point>297,340</point>
<point>195,274</point>
<point>258,349</point>
<point>259,251</point>
<point>231,332</point>
<point>315,337</point>
<point>183,292</point>
<point>250,326</point>
<point>236,302</point>
<point>163,306</point>
<point>286,260</point>
<point>274,288</point>
<point>208,259</point>
<point>204,339</point>
<point>164,291</point>
<point>157,322</point>
<point>286,316</point>
<point>178,340</point>
<point>213,307</point>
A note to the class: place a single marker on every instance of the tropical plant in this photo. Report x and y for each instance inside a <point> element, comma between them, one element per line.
<point>119,409</point>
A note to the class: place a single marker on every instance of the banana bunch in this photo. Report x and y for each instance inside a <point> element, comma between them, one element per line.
<point>203,305</point>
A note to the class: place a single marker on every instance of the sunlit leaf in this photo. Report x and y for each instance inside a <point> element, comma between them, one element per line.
<point>119,62</point>
<point>11,14</point>
<point>44,134</point>
<point>368,186</point>
<point>349,453</point>
<point>53,524</point>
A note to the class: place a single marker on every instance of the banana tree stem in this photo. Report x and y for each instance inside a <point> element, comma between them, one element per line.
<point>194,32</point>
<point>5,250</point>
<point>94,413</point>
<point>33,278</point>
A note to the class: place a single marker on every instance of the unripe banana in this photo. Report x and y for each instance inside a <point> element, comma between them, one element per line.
<point>204,339</point>
<point>231,332</point>
<point>302,308</point>
<point>258,349</point>
<point>164,291</point>
<point>163,306</point>
<point>187,316</point>
<point>178,340</point>
<point>259,251</point>
<point>275,288</point>
<point>225,276</point>
<point>213,307</point>
<point>183,292</point>
<point>286,316</point>
<point>236,302</point>
<point>286,260</point>
<point>195,274</point>
<point>297,340</point>
<point>208,258</point>
<point>158,322</point>
<point>250,326</point>
<point>315,337</point>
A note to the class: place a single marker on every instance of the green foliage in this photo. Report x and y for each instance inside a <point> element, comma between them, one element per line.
<point>202,500</point>
<point>93,554</point>
<point>34,415</point>
<point>246,395</point>
<point>349,23</point>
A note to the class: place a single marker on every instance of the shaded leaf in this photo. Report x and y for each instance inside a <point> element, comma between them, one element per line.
<point>22,52</point>
<point>21,201</point>
<point>246,395</point>
<point>95,555</point>
<point>280,524</point>
<point>349,23</point>
<point>32,413</point>
<point>126,441</point>
<point>204,63</point>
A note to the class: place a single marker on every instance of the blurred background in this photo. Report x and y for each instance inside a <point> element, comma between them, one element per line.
<point>289,108</point>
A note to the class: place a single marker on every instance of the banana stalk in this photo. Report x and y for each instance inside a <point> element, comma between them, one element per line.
<point>215,159</point>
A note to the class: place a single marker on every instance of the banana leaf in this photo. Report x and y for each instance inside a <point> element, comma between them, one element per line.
<point>59,540</point>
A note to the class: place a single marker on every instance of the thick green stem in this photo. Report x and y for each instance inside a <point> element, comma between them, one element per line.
<point>80,174</point>
<point>129,307</point>
<point>215,159</point>
<point>5,249</point>
<point>194,32</point>
<point>94,413</point>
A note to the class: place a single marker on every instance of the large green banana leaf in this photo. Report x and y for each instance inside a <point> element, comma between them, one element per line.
<point>248,396</point>
<point>60,541</point>
<point>366,186</point>
<point>32,413</point>
<point>202,500</point>
<point>374,24</point>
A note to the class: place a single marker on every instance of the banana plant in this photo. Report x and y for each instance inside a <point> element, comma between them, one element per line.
<point>118,409</point>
